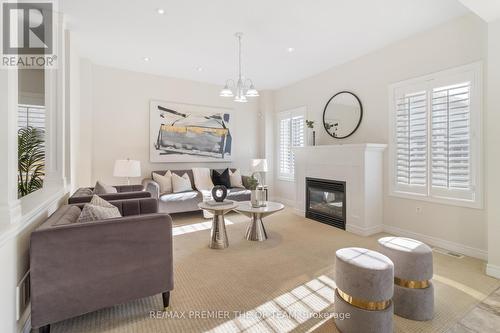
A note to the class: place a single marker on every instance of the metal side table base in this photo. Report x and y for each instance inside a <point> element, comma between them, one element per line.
<point>256,230</point>
<point>218,235</point>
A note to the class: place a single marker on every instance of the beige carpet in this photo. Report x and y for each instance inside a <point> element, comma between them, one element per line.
<point>283,284</point>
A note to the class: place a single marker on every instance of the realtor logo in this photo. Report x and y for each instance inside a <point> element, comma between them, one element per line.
<point>27,28</point>
<point>28,35</point>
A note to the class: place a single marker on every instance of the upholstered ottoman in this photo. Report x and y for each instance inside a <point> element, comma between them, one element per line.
<point>365,281</point>
<point>413,289</point>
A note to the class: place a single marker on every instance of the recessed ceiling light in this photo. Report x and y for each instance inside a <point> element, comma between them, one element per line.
<point>160,11</point>
<point>290,49</point>
<point>199,69</point>
<point>146,59</point>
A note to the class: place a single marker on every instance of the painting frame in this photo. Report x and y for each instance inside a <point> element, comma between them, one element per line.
<point>186,133</point>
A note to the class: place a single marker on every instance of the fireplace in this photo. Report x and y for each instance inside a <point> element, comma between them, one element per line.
<point>325,201</point>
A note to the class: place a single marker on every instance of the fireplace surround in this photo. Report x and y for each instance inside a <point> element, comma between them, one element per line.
<point>326,201</point>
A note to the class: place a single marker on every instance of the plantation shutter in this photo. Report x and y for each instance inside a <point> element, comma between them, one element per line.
<point>451,137</point>
<point>285,147</point>
<point>411,139</point>
<point>31,115</point>
<point>291,135</point>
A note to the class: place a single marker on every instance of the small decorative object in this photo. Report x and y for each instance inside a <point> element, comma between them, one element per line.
<point>261,196</point>
<point>219,193</point>
<point>342,115</point>
<point>310,125</point>
<point>127,168</point>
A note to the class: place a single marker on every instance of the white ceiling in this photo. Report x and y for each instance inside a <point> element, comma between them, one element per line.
<point>199,33</point>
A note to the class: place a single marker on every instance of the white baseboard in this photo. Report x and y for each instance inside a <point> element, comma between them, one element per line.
<point>364,231</point>
<point>439,242</point>
<point>493,270</point>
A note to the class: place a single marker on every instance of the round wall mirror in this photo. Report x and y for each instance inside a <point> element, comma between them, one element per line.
<point>342,115</point>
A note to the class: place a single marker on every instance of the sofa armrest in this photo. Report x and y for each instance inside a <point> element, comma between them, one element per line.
<point>110,196</point>
<point>129,188</point>
<point>83,267</point>
<point>152,187</point>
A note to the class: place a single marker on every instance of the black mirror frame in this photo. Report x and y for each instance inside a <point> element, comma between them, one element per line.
<point>360,115</point>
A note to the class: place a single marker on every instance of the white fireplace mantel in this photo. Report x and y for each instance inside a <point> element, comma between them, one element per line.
<point>360,166</point>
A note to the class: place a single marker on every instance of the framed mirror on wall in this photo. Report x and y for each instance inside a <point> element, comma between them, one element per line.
<point>342,115</point>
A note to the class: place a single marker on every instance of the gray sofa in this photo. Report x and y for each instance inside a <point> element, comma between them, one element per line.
<point>188,201</point>
<point>124,192</point>
<point>78,268</point>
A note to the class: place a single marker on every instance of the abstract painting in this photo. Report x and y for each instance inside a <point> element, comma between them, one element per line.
<point>189,133</point>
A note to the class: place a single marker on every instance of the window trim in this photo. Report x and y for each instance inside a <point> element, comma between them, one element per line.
<point>476,165</point>
<point>298,111</point>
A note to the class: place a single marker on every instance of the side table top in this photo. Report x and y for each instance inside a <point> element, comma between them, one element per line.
<point>271,207</point>
<point>226,207</point>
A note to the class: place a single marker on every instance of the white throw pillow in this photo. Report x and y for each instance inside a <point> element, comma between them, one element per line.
<point>181,184</point>
<point>202,179</point>
<point>164,181</point>
<point>235,178</point>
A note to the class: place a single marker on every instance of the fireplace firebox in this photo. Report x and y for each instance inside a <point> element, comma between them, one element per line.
<point>325,201</point>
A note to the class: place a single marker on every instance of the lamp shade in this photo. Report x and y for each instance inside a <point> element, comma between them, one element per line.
<point>259,165</point>
<point>127,168</point>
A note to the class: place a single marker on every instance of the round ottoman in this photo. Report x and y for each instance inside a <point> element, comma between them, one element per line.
<point>365,281</point>
<point>413,289</point>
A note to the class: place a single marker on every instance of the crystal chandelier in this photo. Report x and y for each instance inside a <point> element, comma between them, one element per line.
<point>244,87</point>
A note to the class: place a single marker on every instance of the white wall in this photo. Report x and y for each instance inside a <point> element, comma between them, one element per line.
<point>119,111</point>
<point>493,142</point>
<point>458,42</point>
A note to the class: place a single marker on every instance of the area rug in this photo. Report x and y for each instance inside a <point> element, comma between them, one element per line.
<point>284,284</point>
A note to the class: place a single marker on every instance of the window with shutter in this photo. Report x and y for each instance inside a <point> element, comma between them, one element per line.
<point>291,134</point>
<point>435,137</point>
<point>30,115</point>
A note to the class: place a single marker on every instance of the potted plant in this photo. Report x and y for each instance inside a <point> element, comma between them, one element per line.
<point>31,158</point>
<point>310,126</point>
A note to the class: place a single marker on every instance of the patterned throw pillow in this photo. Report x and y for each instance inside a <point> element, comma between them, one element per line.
<point>98,209</point>
<point>101,188</point>
<point>164,181</point>
<point>181,184</point>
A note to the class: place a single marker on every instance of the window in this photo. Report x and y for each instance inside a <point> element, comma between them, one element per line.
<point>436,135</point>
<point>291,134</point>
<point>31,115</point>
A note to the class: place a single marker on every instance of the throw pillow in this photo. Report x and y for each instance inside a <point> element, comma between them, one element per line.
<point>70,216</point>
<point>164,181</point>
<point>181,184</point>
<point>101,188</point>
<point>202,179</point>
<point>83,192</point>
<point>221,178</point>
<point>98,209</point>
<point>235,178</point>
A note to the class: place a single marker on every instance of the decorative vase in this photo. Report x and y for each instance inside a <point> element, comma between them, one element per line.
<point>254,200</point>
<point>311,137</point>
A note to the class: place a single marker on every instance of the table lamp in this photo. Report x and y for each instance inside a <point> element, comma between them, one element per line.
<point>259,166</point>
<point>127,168</point>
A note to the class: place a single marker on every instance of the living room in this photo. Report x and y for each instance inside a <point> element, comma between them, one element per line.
<point>230,166</point>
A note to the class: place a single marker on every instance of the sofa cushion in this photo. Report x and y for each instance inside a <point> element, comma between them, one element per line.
<point>181,184</point>
<point>98,209</point>
<point>101,188</point>
<point>221,178</point>
<point>238,194</point>
<point>70,216</point>
<point>164,181</point>
<point>235,178</point>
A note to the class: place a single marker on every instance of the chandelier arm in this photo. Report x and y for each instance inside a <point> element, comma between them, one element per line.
<point>230,83</point>
<point>239,57</point>
<point>249,80</point>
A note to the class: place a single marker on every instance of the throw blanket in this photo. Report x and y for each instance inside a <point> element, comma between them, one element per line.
<point>203,183</point>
